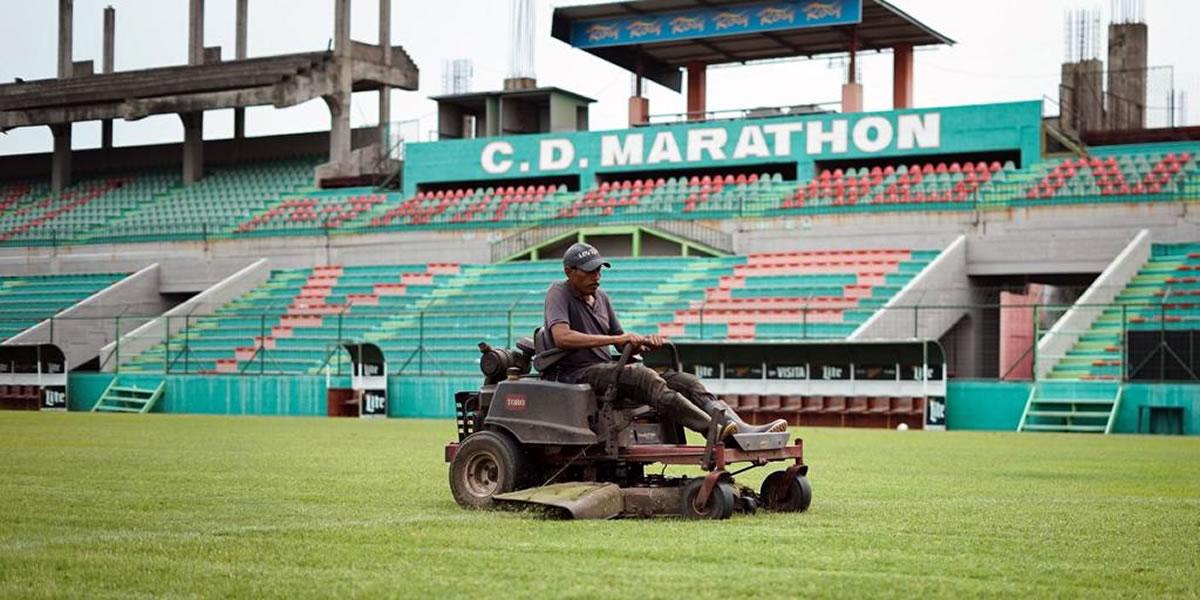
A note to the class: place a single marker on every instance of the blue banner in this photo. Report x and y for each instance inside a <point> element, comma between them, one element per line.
<point>717,21</point>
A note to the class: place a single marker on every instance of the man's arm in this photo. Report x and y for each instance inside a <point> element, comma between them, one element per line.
<point>569,339</point>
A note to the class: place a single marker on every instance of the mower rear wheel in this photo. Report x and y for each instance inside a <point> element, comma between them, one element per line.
<point>488,463</point>
<point>779,494</point>
<point>720,501</point>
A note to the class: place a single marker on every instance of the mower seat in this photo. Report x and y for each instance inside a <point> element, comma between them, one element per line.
<point>545,354</point>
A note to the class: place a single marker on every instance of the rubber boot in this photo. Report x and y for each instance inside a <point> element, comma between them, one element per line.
<point>684,412</point>
<point>775,426</point>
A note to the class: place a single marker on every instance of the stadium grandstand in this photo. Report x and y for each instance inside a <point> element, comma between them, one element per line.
<point>1046,266</point>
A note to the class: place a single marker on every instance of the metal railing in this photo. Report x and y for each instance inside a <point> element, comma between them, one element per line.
<point>982,341</point>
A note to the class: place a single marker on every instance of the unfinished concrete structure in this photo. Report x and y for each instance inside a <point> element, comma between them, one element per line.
<point>207,83</point>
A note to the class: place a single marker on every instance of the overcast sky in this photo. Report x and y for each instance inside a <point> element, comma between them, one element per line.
<point>1006,50</point>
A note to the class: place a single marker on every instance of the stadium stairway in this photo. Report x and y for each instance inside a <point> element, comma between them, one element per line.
<point>1082,390</point>
<point>1164,294</point>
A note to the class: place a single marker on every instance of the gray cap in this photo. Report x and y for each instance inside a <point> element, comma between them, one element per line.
<point>585,257</point>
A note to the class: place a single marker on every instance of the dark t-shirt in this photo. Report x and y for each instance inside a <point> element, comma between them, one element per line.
<point>564,306</point>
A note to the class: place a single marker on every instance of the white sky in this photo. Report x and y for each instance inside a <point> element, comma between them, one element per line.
<point>1007,50</point>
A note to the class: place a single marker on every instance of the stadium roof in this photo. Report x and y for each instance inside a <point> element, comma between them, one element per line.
<point>881,26</point>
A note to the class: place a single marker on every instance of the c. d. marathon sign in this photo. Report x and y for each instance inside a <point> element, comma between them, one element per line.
<point>674,147</point>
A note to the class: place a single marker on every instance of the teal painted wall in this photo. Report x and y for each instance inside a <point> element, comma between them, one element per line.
<point>970,405</point>
<point>290,395</point>
<point>985,405</point>
<point>997,405</point>
<point>961,129</point>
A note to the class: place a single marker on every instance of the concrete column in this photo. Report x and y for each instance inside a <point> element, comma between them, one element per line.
<point>339,127</point>
<point>110,28</point>
<point>239,114</point>
<point>639,111</point>
<point>341,27</point>
<point>1127,74</point>
<point>639,106</point>
<point>60,166</point>
<point>66,12</point>
<point>697,91</point>
<point>193,146</point>
<point>852,93</point>
<point>385,92</point>
<point>339,101</point>
<point>195,32</point>
<point>902,76</point>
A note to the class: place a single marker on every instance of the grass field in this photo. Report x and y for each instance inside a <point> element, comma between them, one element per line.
<point>166,505</point>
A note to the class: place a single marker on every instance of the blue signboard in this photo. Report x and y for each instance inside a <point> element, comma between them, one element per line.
<point>715,21</point>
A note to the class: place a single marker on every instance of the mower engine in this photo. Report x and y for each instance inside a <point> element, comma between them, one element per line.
<point>498,364</point>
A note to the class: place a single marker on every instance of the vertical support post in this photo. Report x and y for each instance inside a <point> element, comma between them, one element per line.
<point>195,32</point>
<point>697,92</point>
<point>60,167</point>
<point>385,92</point>
<point>902,76</point>
<point>339,101</point>
<point>239,114</point>
<point>1035,342</point>
<point>110,28</point>
<point>60,171</point>
<point>117,337</point>
<point>193,146</point>
<point>166,345</point>
<point>852,93</point>
<point>1124,345</point>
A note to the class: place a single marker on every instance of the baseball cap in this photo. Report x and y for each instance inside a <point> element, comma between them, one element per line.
<point>585,257</point>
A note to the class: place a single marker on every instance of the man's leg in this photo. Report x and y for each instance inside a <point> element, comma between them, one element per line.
<point>645,386</point>
<point>691,388</point>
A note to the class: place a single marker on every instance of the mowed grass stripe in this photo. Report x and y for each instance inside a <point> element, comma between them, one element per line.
<point>154,505</point>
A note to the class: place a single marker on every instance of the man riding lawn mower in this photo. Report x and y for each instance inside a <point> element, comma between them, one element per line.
<point>575,439</point>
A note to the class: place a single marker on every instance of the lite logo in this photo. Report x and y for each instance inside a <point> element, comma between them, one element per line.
<point>374,403</point>
<point>54,399</point>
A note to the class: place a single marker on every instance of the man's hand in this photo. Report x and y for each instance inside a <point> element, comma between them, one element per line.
<point>643,343</point>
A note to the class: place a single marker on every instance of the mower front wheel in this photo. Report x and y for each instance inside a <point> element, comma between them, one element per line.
<point>781,495</point>
<point>720,502</point>
<point>487,463</point>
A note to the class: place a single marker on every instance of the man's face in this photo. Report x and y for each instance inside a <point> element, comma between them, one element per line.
<point>584,283</point>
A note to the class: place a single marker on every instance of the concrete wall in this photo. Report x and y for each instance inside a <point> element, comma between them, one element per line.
<point>1066,331</point>
<point>82,329</point>
<point>173,320</point>
<point>942,283</point>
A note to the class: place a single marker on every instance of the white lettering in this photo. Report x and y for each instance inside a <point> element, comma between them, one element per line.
<point>782,132</point>
<point>614,154</point>
<point>751,143</point>
<point>556,155</point>
<point>836,137</point>
<point>664,149</point>
<point>711,140</point>
<point>919,131</point>
<point>487,158</point>
<point>865,141</point>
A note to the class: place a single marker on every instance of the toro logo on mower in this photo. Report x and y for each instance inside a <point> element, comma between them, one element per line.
<point>514,402</point>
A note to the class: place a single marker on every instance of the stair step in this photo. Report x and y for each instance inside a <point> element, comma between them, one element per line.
<point>1067,428</point>
<point>1070,414</point>
<point>1107,401</point>
<point>108,408</point>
